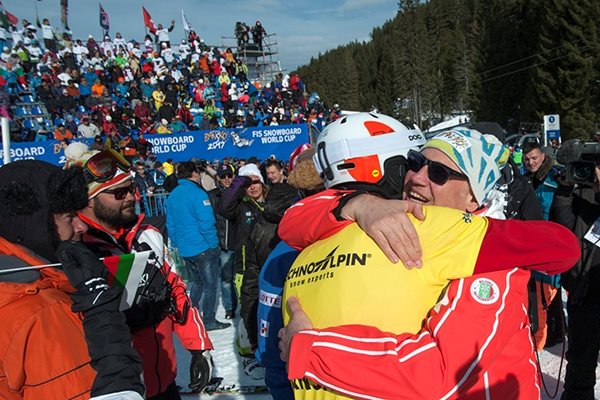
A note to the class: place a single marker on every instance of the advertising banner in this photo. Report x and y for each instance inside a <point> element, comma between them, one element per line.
<point>262,142</point>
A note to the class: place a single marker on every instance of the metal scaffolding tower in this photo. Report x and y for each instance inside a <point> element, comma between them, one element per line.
<point>263,65</point>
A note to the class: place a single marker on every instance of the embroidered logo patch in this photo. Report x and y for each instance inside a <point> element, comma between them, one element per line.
<point>485,291</point>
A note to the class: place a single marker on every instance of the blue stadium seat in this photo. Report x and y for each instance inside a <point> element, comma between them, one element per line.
<point>81,109</point>
<point>37,110</point>
<point>59,121</point>
<point>21,112</point>
<point>28,99</point>
<point>28,124</point>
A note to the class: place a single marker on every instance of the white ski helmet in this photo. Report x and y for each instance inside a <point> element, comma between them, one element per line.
<point>364,148</point>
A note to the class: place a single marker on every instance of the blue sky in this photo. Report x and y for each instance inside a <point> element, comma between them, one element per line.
<point>303,28</point>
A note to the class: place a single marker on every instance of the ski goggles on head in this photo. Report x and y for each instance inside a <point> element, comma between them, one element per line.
<point>437,172</point>
<point>103,166</point>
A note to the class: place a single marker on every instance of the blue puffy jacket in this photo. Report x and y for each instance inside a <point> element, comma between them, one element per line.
<point>270,319</point>
<point>190,219</point>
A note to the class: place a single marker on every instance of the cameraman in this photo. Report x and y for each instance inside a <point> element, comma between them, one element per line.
<point>578,208</point>
<point>207,174</point>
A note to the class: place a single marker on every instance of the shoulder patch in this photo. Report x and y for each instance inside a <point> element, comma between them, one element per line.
<point>485,291</point>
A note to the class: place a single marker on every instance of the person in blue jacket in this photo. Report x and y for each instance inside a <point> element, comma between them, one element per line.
<point>192,229</point>
<point>270,319</point>
<point>304,177</point>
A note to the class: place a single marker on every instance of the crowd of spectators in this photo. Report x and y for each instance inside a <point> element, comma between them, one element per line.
<point>115,87</point>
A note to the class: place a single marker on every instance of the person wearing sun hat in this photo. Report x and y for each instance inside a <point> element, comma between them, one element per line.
<point>474,340</point>
<point>477,156</point>
<point>114,228</point>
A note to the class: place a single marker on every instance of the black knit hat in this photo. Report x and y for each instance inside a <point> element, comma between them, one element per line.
<point>30,192</point>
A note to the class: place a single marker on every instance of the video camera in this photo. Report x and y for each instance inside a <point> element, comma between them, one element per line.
<point>200,164</point>
<point>580,159</point>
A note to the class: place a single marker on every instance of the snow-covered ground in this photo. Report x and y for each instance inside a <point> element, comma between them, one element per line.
<point>227,365</point>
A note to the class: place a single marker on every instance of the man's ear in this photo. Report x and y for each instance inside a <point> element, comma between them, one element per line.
<point>472,204</point>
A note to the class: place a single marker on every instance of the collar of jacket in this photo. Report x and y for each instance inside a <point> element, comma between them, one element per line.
<point>125,235</point>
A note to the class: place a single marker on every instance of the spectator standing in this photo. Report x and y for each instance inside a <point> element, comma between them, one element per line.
<point>113,229</point>
<point>543,172</point>
<point>143,180</point>
<point>242,204</point>
<point>44,343</point>
<point>258,33</point>
<point>49,36</point>
<point>227,240</point>
<point>578,208</point>
<point>274,171</point>
<point>169,167</point>
<point>191,225</point>
<point>162,34</point>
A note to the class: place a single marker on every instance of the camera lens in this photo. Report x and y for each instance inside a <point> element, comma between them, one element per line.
<point>583,172</point>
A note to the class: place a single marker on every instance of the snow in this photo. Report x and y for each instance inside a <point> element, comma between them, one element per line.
<point>228,366</point>
<point>459,119</point>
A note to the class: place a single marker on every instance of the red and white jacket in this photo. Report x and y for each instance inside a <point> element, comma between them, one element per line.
<point>475,345</point>
<point>154,344</point>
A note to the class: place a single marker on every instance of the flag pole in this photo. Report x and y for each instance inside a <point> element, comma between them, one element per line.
<point>37,17</point>
<point>33,267</point>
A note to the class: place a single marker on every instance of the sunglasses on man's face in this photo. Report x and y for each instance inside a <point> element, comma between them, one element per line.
<point>121,193</point>
<point>437,173</point>
<point>227,176</point>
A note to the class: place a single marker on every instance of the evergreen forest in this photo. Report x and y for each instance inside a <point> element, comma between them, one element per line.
<point>508,61</point>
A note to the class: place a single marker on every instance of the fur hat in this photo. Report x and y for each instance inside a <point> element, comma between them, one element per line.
<point>304,175</point>
<point>30,192</point>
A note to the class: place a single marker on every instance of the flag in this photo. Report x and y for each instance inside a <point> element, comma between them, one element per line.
<point>13,20</point>
<point>7,18</point>
<point>104,22</point>
<point>148,22</point>
<point>64,13</point>
<point>3,17</point>
<point>126,271</point>
<point>187,27</point>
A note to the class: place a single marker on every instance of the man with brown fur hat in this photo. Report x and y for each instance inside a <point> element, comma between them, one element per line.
<point>51,360</point>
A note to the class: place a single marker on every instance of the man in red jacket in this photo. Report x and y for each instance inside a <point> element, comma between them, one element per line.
<point>476,341</point>
<point>115,228</point>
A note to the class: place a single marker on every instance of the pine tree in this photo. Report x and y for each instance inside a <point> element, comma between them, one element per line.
<point>565,80</point>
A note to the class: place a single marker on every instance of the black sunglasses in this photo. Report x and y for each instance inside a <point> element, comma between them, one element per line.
<point>437,172</point>
<point>227,176</point>
<point>121,193</point>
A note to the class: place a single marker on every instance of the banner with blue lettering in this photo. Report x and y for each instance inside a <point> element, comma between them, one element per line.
<point>212,145</point>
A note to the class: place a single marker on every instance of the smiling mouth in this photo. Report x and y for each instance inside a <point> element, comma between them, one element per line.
<point>417,198</point>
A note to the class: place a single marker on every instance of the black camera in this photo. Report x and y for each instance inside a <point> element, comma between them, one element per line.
<point>580,159</point>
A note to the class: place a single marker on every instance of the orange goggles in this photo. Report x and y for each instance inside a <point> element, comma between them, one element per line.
<point>103,166</point>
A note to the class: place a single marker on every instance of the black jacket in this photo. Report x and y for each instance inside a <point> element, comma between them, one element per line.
<point>522,202</point>
<point>227,239</point>
<point>263,240</point>
<point>578,211</point>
